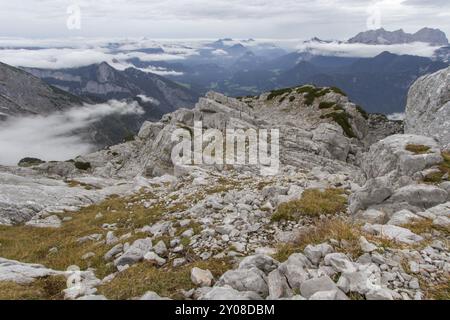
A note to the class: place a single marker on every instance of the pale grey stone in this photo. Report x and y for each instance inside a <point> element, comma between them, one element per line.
<point>202,278</point>
<point>251,279</point>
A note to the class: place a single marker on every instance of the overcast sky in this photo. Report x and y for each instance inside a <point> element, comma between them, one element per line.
<point>329,19</point>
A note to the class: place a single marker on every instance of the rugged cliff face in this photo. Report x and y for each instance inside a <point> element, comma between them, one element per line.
<point>428,108</point>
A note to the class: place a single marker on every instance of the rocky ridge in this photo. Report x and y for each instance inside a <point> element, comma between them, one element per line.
<point>241,235</point>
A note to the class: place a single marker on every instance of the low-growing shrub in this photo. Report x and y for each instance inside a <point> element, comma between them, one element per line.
<point>29,162</point>
<point>82,165</point>
<point>276,93</point>
<point>342,119</point>
<point>362,112</point>
<point>326,105</point>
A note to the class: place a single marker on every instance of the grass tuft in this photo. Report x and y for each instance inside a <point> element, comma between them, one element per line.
<point>417,148</point>
<point>314,202</point>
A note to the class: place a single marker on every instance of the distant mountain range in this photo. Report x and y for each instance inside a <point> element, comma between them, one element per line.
<point>23,94</point>
<point>101,82</point>
<point>42,92</point>
<point>434,37</point>
<point>241,68</point>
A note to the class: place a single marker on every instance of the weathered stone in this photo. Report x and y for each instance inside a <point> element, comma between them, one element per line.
<point>393,233</point>
<point>154,258</point>
<point>340,262</point>
<point>422,196</point>
<point>403,217</point>
<point>228,293</point>
<point>428,107</point>
<point>278,286</point>
<point>294,270</point>
<point>312,286</point>
<point>134,253</point>
<point>251,279</point>
<point>201,277</point>
<point>366,246</point>
<point>23,273</point>
<point>259,261</point>
<point>113,252</point>
<point>316,253</point>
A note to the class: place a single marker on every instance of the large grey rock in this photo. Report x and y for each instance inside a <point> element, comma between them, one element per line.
<point>340,262</point>
<point>371,216</point>
<point>421,195</point>
<point>251,279</point>
<point>361,281</point>
<point>428,107</point>
<point>201,277</point>
<point>316,253</point>
<point>118,248</point>
<point>403,217</point>
<point>48,222</point>
<point>393,233</point>
<point>312,286</point>
<point>259,261</point>
<point>278,286</point>
<point>294,269</point>
<point>389,156</point>
<point>26,194</point>
<point>135,253</point>
<point>228,293</point>
<point>334,140</point>
<point>374,192</point>
<point>23,273</point>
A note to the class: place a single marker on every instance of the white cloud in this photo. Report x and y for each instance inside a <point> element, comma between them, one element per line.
<point>220,52</point>
<point>396,116</point>
<point>151,100</point>
<point>52,137</point>
<point>218,18</point>
<point>364,50</point>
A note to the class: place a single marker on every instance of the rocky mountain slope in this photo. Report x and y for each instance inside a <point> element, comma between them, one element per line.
<point>428,108</point>
<point>358,210</point>
<point>37,98</point>
<point>381,36</point>
<point>101,82</point>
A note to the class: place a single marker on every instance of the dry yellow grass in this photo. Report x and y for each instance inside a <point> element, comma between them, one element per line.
<point>323,231</point>
<point>439,291</point>
<point>313,202</point>
<point>417,148</point>
<point>49,288</point>
<point>32,245</point>
<point>167,282</point>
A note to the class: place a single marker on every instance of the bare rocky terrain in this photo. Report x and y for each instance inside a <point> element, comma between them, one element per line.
<point>358,210</point>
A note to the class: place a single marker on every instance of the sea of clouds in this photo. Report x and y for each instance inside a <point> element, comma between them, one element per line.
<point>55,137</point>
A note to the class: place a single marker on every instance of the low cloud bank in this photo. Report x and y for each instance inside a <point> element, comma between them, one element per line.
<point>396,116</point>
<point>342,49</point>
<point>53,137</point>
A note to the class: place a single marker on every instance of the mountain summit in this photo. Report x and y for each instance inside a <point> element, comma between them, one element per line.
<point>382,36</point>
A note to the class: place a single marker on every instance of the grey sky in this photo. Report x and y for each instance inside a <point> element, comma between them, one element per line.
<point>337,19</point>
